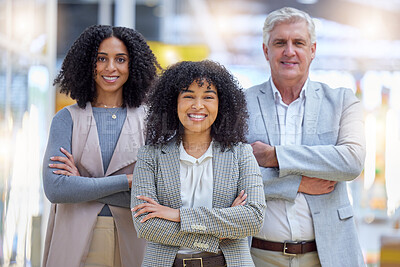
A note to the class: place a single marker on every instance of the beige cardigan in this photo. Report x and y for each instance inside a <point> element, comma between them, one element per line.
<point>70,226</point>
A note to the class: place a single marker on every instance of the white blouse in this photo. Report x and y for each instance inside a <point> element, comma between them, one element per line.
<point>196,183</point>
<point>196,179</point>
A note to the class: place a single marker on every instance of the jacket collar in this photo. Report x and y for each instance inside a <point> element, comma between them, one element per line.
<point>170,168</point>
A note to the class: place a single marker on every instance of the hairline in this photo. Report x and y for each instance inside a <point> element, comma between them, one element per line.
<point>288,15</point>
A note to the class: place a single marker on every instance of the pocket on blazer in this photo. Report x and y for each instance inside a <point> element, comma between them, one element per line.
<point>345,212</point>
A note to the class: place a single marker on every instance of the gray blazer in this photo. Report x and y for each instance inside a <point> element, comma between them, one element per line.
<point>157,175</point>
<point>333,148</point>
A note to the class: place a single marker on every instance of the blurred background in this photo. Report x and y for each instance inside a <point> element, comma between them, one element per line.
<point>358,46</point>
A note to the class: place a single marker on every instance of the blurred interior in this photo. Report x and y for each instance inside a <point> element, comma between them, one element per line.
<point>358,46</point>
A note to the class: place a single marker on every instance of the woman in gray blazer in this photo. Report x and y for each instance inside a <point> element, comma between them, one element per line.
<point>197,189</point>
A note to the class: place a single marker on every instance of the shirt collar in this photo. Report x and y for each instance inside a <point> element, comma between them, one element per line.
<point>277,94</point>
<point>190,160</point>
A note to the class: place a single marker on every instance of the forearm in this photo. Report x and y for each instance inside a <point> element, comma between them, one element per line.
<point>335,163</point>
<point>276,187</point>
<point>169,233</point>
<point>233,223</point>
<point>339,150</point>
<point>121,199</point>
<point>75,189</point>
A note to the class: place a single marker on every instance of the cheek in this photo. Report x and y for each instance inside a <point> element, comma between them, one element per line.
<point>180,110</point>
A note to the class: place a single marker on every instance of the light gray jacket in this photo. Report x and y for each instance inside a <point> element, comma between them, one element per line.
<point>333,148</point>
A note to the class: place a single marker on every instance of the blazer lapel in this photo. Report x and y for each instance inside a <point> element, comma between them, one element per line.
<point>129,141</point>
<point>268,113</point>
<point>222,172</point>
<point>311,113</point>
<point>91,156</point>
<point>170,169</point>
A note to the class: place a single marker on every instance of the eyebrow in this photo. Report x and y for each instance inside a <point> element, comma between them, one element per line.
<point>119,54</point>
<point>191,91</point>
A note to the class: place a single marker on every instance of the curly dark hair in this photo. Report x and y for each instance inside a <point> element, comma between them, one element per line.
<point>230,126</point>
<point>76,77</point>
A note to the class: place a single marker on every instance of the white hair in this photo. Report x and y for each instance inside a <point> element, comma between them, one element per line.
<point>288,15</point>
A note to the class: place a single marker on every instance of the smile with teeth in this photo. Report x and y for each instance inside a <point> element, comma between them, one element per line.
<point>197,116</point>
<point>110,78</point>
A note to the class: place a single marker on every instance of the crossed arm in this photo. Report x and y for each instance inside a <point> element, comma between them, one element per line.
<point>315,169</point>
<point>173,226</point>
<point>61,179</point>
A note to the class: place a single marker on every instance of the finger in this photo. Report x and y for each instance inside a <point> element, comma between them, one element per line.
<point>61,166</point>
<point>67,173</point>
<point>140,206</point>
<point>69,155</point>
<point>141,211</point>
<point>243,203</point>
<point>148,216</point>
<point>61,159</point>
<point>148,199</point>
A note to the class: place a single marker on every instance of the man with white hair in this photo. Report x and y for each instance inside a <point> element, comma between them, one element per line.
<point>308,140</point>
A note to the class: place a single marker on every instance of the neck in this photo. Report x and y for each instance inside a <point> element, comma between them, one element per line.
<point>196,144</point>
<point>109,103</point>
<point>111,100</point>
<point>289,91</point>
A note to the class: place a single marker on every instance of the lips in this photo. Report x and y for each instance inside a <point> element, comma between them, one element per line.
<point>197,117</point>
<point>288,63</point>
<point>110,78</point>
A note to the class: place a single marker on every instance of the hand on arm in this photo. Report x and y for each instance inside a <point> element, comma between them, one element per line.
<point>240,200</point>
<point>265,154</point>
<point>155,210</point>
<point>316,186</point>
<point>67,167</point>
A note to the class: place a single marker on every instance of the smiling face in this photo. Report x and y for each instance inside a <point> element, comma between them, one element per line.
<point>198,108</point>
<point>290,53</point>
<point>112,67</point>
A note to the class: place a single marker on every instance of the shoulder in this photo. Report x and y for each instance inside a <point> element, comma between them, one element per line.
<point>76,111</point>
<point>140,111</point>
<point>256,89</point>
<point>337,96</point>
<point>241,149</point>
<point>329,91</point>
<point>150,150</point>
<point>62,115</point>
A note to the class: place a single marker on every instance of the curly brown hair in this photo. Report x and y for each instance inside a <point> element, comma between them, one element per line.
<point>230,126</point>
<point>76,77</point>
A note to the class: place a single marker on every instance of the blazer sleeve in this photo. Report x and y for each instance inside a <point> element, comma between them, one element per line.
<point>342,161</point>
<point>232,222</point>
<point>156,229</point>
<point>276,187</point>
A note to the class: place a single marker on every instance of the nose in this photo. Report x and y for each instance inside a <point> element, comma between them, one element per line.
<point>289,50</point>
<point>110,65</point>
<point>197,104</point>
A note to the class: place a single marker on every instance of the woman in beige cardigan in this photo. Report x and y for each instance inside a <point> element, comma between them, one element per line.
<point>108,71</point>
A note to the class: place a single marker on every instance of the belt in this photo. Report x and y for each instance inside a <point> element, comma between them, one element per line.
<point>288,248</point>
<point>201,262</point>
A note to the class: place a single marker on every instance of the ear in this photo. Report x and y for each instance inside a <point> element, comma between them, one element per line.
<point>265,50</point>
<point>313,50</point>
